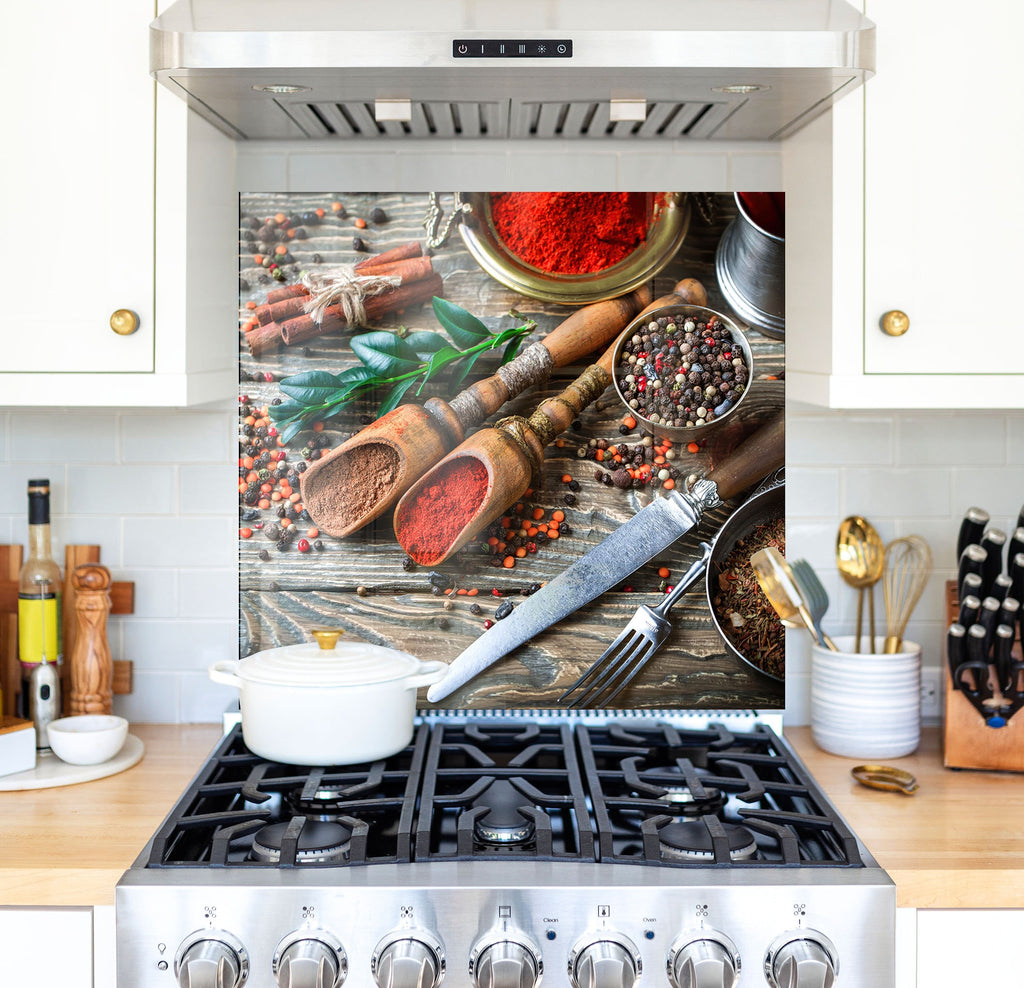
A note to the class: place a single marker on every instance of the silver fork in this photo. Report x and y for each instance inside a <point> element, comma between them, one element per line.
<point>619,663</point>
<point>815,594</point>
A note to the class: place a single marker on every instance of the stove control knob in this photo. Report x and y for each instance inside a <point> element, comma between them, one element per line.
<point>408,959</point>
<point>505,963</point>
<point>211,959</point>
<point>310,959</point>
<point>801,959</point>
<point>608,960</point>
<point>709,960</point>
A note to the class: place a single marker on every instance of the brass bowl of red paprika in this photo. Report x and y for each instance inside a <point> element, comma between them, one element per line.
<point>574,247</point>
<point>682,371</point>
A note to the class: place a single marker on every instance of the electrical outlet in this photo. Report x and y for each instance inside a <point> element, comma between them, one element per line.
<point>931,694</point>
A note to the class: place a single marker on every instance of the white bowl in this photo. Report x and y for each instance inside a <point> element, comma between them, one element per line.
<point>88,739</point>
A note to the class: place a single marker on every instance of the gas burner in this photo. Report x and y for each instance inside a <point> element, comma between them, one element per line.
<point>682,801</point>
<point>502,823</point>
<point>325,803</point>
<point>319,842</point>
<point>691,841</point>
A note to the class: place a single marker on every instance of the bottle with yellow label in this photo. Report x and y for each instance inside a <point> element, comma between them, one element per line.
<point>39,592</point>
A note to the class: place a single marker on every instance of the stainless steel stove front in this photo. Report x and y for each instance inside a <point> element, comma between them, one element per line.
<point>486,924</point>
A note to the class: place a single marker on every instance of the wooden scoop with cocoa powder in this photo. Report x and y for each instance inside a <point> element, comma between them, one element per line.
<point>365,476</point>
<point>491,470</point>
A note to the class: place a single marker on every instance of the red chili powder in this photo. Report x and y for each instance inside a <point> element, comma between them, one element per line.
<point>570,232</point>
<point>431,522</point>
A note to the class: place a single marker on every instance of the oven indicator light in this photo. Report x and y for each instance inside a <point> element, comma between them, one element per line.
<point>161,965</point>
<point>603,912</point>
<point>551,934</point>
<point>649,934</point>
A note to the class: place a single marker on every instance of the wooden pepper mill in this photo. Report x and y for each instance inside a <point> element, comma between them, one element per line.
<point>92,670</point>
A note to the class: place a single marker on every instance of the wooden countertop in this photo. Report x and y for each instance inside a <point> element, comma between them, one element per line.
<point>957,843</point>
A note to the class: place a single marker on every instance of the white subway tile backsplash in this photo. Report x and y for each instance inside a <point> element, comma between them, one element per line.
<point>185,437</point>
<point>951,438</point>
<point>898,493</point>
<point>322,172</point>
<point>642,172</point>
<point>14,480</point>
<point>208,489</point>
<point>157,645</point>
<point>156,591</point>
<point>65,436</point>
<point>755,172</point>
<point>155,698</point>
<point>208,593</point>
<point>203,700</point>
<point>180,542</point>
<point>812,492</point>
<point>815,440</point>
<point>138,490</point>
<point>1002,501</point>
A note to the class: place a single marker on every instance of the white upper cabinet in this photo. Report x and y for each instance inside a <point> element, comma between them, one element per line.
<point>87,195</point>
<point>903,200</point>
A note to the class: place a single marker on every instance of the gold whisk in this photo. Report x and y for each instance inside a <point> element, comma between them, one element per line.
<point>908,564</point>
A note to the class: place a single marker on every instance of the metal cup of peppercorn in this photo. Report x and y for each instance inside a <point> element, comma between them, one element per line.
<point>683,371</point>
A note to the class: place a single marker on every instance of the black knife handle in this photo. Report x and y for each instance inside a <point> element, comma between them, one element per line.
<point>1015,545</point>
<point>972,560</point>
<point>1009,612</point>
<point>992,542</point>
<point>973,524</point>
<point>970,608</point>
<point>956,651</point>
<point>1002,659</point>
<point>988,618</point>
<point>977,660</point>
<point>971,587</point>
<point>1000,588</point>
<point>1017,576</point>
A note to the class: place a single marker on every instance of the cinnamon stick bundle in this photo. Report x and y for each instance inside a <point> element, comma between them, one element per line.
<point>400,253</point>
<point>270,337</point>
<point>281,310</point>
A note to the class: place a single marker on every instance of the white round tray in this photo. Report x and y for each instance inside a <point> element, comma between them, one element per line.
<point>50,771</point>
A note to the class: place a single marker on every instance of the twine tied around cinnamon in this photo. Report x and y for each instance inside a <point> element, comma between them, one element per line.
<point>343,286</point>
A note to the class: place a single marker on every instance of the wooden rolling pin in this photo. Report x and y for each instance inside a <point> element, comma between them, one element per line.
<point>92,671</point>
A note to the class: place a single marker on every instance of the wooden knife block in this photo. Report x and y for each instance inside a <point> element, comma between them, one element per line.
<point>122,596</point>
<point>967,741</point>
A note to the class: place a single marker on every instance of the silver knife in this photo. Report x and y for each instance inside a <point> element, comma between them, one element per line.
<point>649,532</point>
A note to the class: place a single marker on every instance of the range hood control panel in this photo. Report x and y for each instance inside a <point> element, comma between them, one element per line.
<point>512,48</point>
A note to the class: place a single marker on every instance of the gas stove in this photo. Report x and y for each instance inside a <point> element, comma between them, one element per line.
<point>496,850</point>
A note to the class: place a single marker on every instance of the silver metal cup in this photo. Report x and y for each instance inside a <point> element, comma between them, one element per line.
<point>750,264</point>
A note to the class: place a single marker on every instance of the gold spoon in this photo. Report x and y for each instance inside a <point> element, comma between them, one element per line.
<point>860,558</point>
<point>775,579</point>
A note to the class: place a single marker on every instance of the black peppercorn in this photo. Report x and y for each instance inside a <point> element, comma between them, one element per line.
<point>358,244</point>
<point>377,215</point>
<point>475,608</point>
<point>574,485</point>
<point>408,564</point>
<point>443,623</point>
<point>264,555</point>
<point>569,499</point>
<point>504,609</point>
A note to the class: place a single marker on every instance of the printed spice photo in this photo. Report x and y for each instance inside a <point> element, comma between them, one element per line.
<point>433,427</point>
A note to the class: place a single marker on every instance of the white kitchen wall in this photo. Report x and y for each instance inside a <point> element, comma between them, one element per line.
<point>907,473</point>
<point>156,490</point>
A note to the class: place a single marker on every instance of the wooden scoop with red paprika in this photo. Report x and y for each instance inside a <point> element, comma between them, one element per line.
<point>492,469</point>
<point>365,476</point>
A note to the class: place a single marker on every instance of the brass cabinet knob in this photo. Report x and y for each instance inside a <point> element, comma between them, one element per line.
<point>124,322</point>
<point>895,323</point>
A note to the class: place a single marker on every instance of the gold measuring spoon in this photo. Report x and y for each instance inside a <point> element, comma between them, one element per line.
<point>776,581</point>
<point>860,558</point>
<point>886,778</point>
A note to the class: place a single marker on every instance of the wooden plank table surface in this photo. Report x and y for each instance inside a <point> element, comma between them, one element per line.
<point>287,594</point>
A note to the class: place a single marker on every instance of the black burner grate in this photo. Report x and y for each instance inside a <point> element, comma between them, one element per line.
<point>634,792</point>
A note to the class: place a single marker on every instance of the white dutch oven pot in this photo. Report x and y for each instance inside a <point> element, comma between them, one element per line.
<point>325,702</point>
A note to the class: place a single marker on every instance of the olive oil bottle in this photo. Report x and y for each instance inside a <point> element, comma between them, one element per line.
<point>39,615</point>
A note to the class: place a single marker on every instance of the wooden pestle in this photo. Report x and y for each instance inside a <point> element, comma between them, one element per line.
<point>92,671</point>
<point>402,445</point>
<point>513,450</point>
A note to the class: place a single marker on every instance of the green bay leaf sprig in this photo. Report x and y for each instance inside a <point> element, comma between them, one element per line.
<point>396,365</point>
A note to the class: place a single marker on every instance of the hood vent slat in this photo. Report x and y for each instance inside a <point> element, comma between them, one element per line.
<point>574,119</point>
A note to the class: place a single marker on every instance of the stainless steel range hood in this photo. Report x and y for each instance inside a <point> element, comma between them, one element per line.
<point>529,69</point>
